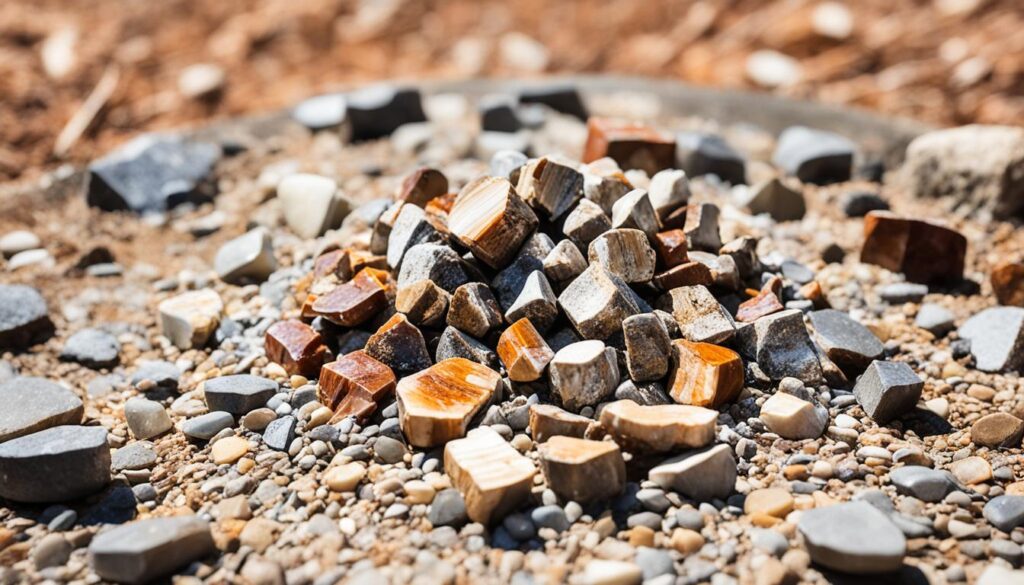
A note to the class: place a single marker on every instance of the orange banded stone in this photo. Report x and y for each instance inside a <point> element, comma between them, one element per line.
<point>435,405</point>
<point>353,384</point>
<point>704,374</point>
<point>524,352</point>
<point>296,347</point>
<point>353,302</point>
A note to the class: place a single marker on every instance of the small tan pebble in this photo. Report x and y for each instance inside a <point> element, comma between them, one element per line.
<point>258,419</point>
<point>796,471</point>
<point>687,541</point>
<point>419,492</point>
<point>298,381</point>
<point>775,502</point>
<point>344,478</point>
<point>982,393</point>
<point>972,470</point>
<point>770,572</point>
<point>796,560</point>
<point>245,465</point>
<point>1015,489</point>
<point>953,370</point>
<point>605,526</point>
<point>522,443</point>
<point>762,520</point>
<point>319,417</point>
<point>939,406</point>
<point>275,371</point>
<point>641,536</point>
<point>229,450</point>
<point>822,469</point>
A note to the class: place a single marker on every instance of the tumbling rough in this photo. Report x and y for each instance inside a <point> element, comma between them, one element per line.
<point>703,374</point>
<point>399,345</point>
<point>354,384</point>
<point>436,405</point>
<point>524,352</point>
<point>888,390</point>
<point>647,347</point>
<point>238,394</point>
<point>625,253</point>
<point>250,256</point>
<point>296,346</point>
<point>491,475</point>
<point>658,429</point>
<point>846,342</point>
<point>632,145</point>
<point>597,302</point>
<point>997,338</point>
<point>793,418</point>
<point>582,470</point>
<point>491,220</point>
<point>699,315</point>
<point>584,374</point>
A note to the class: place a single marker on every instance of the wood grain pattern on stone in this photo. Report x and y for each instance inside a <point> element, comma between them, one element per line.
<point>441,205</point>
<point>604,183</point>
<point>423,302</point>
<point>585,222</point>
<point>549,186</point>
<point>1007,280</point>
<point>671,247</point>
<point>422,185</point>
<point>354,384</point>
<point>584,374</point>
<point>399,345</point>
<point>703,374</point>
<point>474,310</point>
<point>582,471</point>
<point>436,405</point>
<point>491,475</point>
<point>763,303</point>
<point>647,347</point>
<point>597,302</point>
<point>632,145</point>
<point>700,316</point>
<point>524,352</point>
<point>490,219</point>
<point>354,302</point>
<point>547,420</point>
<point>923,251</point>
<point>624,252</point>
<point>660,428</point>
<point>296,347</point>
<point>686,274</point>
<point>564,263</point>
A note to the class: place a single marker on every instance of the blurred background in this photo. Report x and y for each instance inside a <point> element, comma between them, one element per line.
<point>79,76</point>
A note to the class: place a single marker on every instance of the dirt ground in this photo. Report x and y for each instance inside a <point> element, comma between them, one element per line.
<point>945,61</point>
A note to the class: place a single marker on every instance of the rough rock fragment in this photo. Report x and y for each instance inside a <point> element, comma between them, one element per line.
<point>93,348</point>
<point>853,537</point>
<point>701,227</point>
<point>190,318</point>
<point>647,347</point>
<point>624,252</point>
<point>669,190</point>
<point>423,302</point>
<point>354,384</point>
<point>582,471</point>
<point>659,428</point>
<point>354,302</point>
<point>377,111</point>
<point>776,199</point>
<point>687,274</point>
<point>703,374</point>
<point>146,418</point>
<point>632,145</point>
<point>634,210</point>
<point>547,420</point>
<point>888,390</point>
<point>597,302</point>
<point>399,345</point>
<point>454,343</point>
<point>923,483</point>
<point>412,227</point>
<point>57,464</point>
<point>434,262</point>
<point>604,183</point>
<point>422,185</point>
<point>474,310</point>
<point>491,220</point>
<point>536,302</point>
<point>780,345</point>
<point>238,394</point>
<point>766,302</point>
<point>33,404</point>
<point>997,338</point>
<point>24,317</point>
<point>311,204</point>
<point>564,263</point>
<point>436,404</point>
<point>561,98</point>
<point>584,374</point>
<point>250,256</point>
<point>703,475</point>
<point>297,347</point>
<point>699,315</point>
<point>524,352</point>
<point>935,319</point>
<point>671,247</point>
<point>708,154</point>
<point>793,418</point>
<point>814,156</point>
<point>550,187</point>
<point>1008,283</point>
<point>508,283</point>
<point>585,222</point>
<point>846,342</point>
<point>491,475</point>
<point>923,251</point>
<point>145,550</point>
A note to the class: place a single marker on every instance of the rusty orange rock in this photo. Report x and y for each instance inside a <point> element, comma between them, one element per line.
<point>422,185</point>
<point>687,274</point>
<point>923,251</point>
<point>296,346</point>
<point>1008,283</point>
<point>524,352</point>
<point>352,303</point>
<point>671,247</point>
<point>632,145</point>
<point>764,303</point>
<point>704,374</point>
<point>354,384</point>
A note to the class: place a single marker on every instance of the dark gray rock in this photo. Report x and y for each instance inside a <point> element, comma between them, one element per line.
<point>55,465</point>
<point>454,343</point>
<point>923,483</point>
<point>24,318</point>
<point>859,203</point>
<point>321,112</point>
<point>148,549</point>
<point>279,433</point>
<point>854,538</point>
<point>137,455</point>
<point>935,319</point>
<point>206,426</point>
<point>377,111</point>
<point>888,390</point>
<point>153,173</point>
<point>552,517</point>
<point>645,394</point>
<point>435,262</point>
<point>1005,512</point>
<point>93,348</point>
<point>997,338</point>
<point>163,375</point>
<point>508,283</point>
<point>777,199</point>
<point>846,342</point>
<point>238,394</point>
<point>814,156</point>
<point>902,292</point>
<point>780,345</point>
<point>448,509</point>
<point>561,98</point>
<point>498,114</point>
<point>389,450</point>
<point>34,404</point>
<point>709,154</point>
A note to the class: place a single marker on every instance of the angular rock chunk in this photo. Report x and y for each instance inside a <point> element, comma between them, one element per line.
<point>146,418</point>
<point>709,154</point>
<point>142,551</point>
<point>888,390</point>
<point>776,199</point>
<point>793,418</point>
<point>297,347</point>
<point>491,475</point>
<point>250,256</point>
<point>997,430</point>
<point>582,471</point>
<point>564,263</point>
<point>647,347</point>
<point>399,345</point>
<point>977,166</point>
<point>585,222</point>
<point>280,433</point>
<point>436,405</point>
<point>57,464</point>
<point>923,251</point>
<point>669,190</point>
<point>454,343</point>
<point>625,253</point>
<point>935,319</point>
<point>152,173</point>
<point>659,428</point>
<point>93,348</point>
<point>634,210</point>
<point>423,302</point>
<point>703,374</point>
<point>1005,512</point>
<point>422,185</point>
<point>997,338</point>
<point>780,345</point>
<point>853,537</point>
<point>699,315</point>
<point>24,318</point>
<point>412,227</point>
<point>491,220</point>
<point>377,111</point>
<point>550,187</point>
<point>34,404</point>
<point>474,310</point>
<point>814,156</point>
<point>701,227</point>
<point>561,98</point>
<point>632,145</point>
<point>497,114</point>
<point>671,247</point>
<point>354,302</point>
<point>354,384</point>
<point>923,483</point>
<point>434,262</point>
<point>687,274</point>
<point>508,283</point>
<point>1008,283</point>
<point>597,302</point>
<point>766,302</point>
<point>547,420</point>
<point>506,164</point>
<point>524,352</point>
<point>536,302</point>
<point>189,319</point>
<point>584,374</point>
<point>311,204</point>
<point>238,394</point>
<point>846,342</point>
<point>703,475</point>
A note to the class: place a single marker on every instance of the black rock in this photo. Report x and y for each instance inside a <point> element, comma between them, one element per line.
<point>708,154</point>
<point>279,433</point>
<point>377,111</point>
<point>448,509</point>
<point>859,203</point>
<point>849,344</point>
<point>24,318</point>
<point>55,465</point>
<point>153,173</point>
<point>93,348</point>
<point>561,98</point>
<point>498,114</point>
<point>814,156</point>
<point>238,394</point>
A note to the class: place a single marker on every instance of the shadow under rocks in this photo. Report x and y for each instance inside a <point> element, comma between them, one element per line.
<point>907,575</point>
<point>926,423</point>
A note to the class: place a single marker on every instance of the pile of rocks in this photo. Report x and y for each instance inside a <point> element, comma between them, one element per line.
<point>615,369</point>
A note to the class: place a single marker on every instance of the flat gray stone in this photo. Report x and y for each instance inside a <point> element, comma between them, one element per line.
<point>55,465</point>
<point>846,342</point>
<point>997,338</point>
<point>249,257</point>
<point>780,345</point>
<point>923,483</point>
<point>206,426</point>
<point>935,319</point>
<point>24,317</point>
<point>142,551</point>
<point>902,292</point>
<point>146,418</point>
<point>321,112</point>
<point>238,394</point>
<point>705,474</point>
<point>33,404</point>
<point>778,200</point>
<point>854,538</point>
<point>93,348</point>
<point>279,433</point>
<point>161,374</point>
<point>814,156</point>
<point>887,390</point>
<point>1005,512</point>
<point>137,455</point>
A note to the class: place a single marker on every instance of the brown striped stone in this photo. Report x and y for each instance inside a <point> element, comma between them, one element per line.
<point>703,374</point>
<point>524,352</point>
<point>354,384</point>
<point>490,219</point>
<point>632,145</point>
<point>296,347</point>
<point>436,404</point>
<point>354,302</point>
